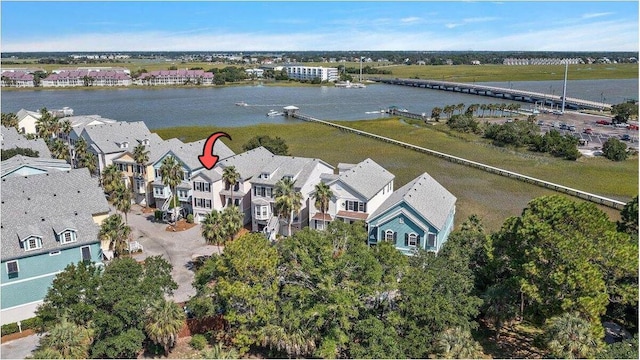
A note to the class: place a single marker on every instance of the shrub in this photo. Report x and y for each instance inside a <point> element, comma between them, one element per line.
<point>614,149</point>
<point>12,328</point>
<point>157,215</point>
<point>190,218</point>
<point>198,342</point>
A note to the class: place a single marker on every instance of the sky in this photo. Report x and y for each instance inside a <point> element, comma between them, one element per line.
<point>43,26</point>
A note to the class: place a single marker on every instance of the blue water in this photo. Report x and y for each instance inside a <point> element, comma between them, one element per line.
<point>160,108</point>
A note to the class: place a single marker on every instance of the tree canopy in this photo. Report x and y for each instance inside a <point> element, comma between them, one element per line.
<point>277,146</point>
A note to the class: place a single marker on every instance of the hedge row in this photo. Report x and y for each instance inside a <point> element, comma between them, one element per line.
<point>12,328</point>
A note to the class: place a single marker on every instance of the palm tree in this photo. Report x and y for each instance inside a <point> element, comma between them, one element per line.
<point>456,343</point>
<point>10,120</point>
<point>121,198</point>
<point>69,340</point>
<point>449,109</point>
<point>90,161</point>
<point>218,352</point>
<point>116,232</point>
<point>141,157</point>
<point>570,337</point>
<point>66,128</point>
<point>172,174</point>
<point>110,178</point>
<point>164,320</point>
<point>288,200</point>
<point>502,107</point>
<point>213,230</point>
<point>44,126</point>
<point>231,176</point>
<point>232,220</point>
<point>80,151</point>
<point>435,113</point>
<point>59,149</point>
<point>323,195</point>
<point>294,344</point>
<point>460,108</point>
<point>483,107</point>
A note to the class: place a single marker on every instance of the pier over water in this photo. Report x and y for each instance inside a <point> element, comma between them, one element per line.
<point>550,100</point>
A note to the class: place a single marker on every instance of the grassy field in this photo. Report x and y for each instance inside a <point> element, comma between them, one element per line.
<point>461,73</point>
<point>492,197</point>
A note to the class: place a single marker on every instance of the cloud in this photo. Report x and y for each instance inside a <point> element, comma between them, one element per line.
<point>410,20</point>
<point>473,20</point>
<point>595,15</point>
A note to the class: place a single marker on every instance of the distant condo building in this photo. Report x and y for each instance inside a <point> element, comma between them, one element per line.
<point>312,72</point>
<point>17,78</point>
<point>541,61</point>
<point>176,77</point>
<point>87,77</point>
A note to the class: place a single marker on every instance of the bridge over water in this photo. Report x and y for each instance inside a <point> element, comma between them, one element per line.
<point>550,100</point>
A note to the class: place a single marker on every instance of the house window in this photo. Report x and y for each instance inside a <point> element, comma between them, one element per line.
<point>54,253</point>
<point>356,206</point>
<point>32,243</point>
<point>183,194</point>
<point>12,268</point>
<point>413,240</point>
<point>158,191</point>
<point>121,167</point>
<point>86,253</point>
<point>431,240</point>
<point>67,237</point>
<point>389,235</point>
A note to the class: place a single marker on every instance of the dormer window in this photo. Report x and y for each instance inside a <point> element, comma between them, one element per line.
<point>264,176</point>
<point>145,142</point>
<point>32,243</point>
<point>67,237</point>
<point>287,177</point>
<point>124,145</point>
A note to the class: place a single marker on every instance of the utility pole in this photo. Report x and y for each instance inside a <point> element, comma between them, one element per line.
<point>564,87</point>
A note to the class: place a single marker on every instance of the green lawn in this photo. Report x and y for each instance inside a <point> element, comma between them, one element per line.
<point>492,197</point>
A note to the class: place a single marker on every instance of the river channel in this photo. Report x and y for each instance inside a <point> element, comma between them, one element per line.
<point>160,108</point>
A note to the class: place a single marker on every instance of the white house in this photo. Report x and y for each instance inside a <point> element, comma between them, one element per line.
<point>312,72</point>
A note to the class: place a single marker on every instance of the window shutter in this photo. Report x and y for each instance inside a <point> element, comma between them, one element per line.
<point>406,239</point>
<point>418,240</point>
<point>395,238</point>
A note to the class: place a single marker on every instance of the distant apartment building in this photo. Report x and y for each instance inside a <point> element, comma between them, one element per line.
<point>541,61</point>
<point>87,77</point>
<point>17,78</point>
<point>176,77</point>
<point>312,72</point>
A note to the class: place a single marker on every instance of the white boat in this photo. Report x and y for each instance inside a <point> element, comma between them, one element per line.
<point>349,85</point>
<point>241,103</point>
<point>274,113</point>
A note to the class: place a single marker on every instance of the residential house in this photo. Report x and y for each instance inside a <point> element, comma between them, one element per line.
<point>17,78</point>
<point>24,166</point>
<point>49,220</point>
<point>418,215</point>
<point>305,173</point>
<point>10,139</point>
<point>85,77</point>
<point>187,156</point>
<point>211,192</point>
<point>110,140</point>
<point>27,121</point>
<point>358,190</point>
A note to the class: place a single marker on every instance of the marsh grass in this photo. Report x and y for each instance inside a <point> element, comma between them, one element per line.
<point>490,196</point>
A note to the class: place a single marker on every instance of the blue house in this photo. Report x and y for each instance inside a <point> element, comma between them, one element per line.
<point>48,221</point>
<point>418,215</point>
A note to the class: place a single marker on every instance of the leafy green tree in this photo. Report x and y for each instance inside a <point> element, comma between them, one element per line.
<point>71,341</point>
<point>625,349</point>
<point>614,149</point>
<point>629,217</point>
<point>375,339</point>
<point>9,153</point>
<point>172,173</point>
<point>570,337</point>
<point>624,111</point>
<point>565,256</point>
<point>277,146</point>
<point>246,287</point>
<point>164,320</point>
<point>45,353</point>
<point>457,343</point>
<point>124,345</point>
<point>288,200</point>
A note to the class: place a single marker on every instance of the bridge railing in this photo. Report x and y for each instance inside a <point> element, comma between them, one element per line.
<point>492,169</point>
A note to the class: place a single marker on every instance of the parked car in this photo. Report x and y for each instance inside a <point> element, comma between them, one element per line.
<point>625,137</point>
<point>563,126</point>
<point>540,122</point>
<point>572,128</point>
<point>588,131</point>
<point>603,122</point>
<point>632,127</point>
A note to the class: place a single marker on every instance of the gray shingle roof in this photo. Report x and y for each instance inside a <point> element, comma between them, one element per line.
<point>79,122</point>
<point>108,137</point>
<point>187,153</point>
<point>12,139</point>
<point>299,168</point>
<point>426,196</point>
<point>367,178</point>
<point>247,164</point>
<point>17,162</point>
<point>45,203</point>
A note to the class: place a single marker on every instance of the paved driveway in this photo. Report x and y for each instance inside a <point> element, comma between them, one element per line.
<point>179,248</point>
<point>19,348</point>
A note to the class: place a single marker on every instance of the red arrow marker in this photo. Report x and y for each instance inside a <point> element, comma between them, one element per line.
<point>207,159</point>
